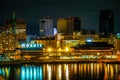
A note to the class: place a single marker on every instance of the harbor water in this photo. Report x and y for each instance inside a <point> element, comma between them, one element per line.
<point>61,71</point>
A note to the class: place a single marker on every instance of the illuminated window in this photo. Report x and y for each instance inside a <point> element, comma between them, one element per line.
<point>37,45</point>
<point>34,45</point>
<point>40,45</point>
<point>31,45</point>
<point>23,45</point>
<point>118,35</point>
<point>27,45</point>
<point>89,40</point>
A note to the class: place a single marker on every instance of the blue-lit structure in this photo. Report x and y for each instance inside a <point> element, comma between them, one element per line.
<point>31,73</point>
<point>118,35</point>
<point>31,46</point>
<point>5,71</point>
<point>89,40</point>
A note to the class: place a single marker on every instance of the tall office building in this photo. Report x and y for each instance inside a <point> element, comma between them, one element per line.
<point>46,27</point>
<point>76,24</point>
<point>106,22</point>
<point>69,25</point>
<point>65,26</point>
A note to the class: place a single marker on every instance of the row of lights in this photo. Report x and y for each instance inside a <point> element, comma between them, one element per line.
<point>66,49</point>
<point>31,45</point>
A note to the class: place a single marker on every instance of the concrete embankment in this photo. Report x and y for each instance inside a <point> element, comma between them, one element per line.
<point>56,61</point>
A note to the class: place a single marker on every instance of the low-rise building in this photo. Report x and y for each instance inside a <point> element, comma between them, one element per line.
<point>7,42</point>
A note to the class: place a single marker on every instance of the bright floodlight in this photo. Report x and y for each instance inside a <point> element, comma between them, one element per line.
<point>98,53</point>
<point>49,49</point>
<point>59,49</point>
<point>66,49</point>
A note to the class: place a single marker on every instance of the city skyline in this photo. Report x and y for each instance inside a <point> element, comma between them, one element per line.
<point>33,11</point>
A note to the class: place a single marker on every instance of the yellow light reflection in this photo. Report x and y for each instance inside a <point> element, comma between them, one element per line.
<point>88,67</point>
<point>67,73</point>
<point>108,69</point>
<point>81,69</point>
<point>49,72</point>
<point>116,68</point>
<point>111,71</point>
<point>98,68</point>
<point>7,72</point>
<point>92,68</point>
<point>84,69</point>
<point>59,77</point>
<point>75,68</point>
<point>3,71</point>
<point>106,72</point>
<point>44,70</point>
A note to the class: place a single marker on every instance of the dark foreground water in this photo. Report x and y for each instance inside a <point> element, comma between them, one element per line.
<point>74,71</point>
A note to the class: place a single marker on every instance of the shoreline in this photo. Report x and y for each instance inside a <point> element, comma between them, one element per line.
<point>58,62</point>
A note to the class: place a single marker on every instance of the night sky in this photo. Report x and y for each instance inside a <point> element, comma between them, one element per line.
<point>33,10</point>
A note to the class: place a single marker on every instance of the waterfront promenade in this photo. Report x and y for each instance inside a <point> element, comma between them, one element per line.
<point>59,61</point>
<point>44,58</point>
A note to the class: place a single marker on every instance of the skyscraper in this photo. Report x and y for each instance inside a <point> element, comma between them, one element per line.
<point>76,24</point>
<point>46,27</point>
<point>106,22</point>
<point>69,25</point>
<point>65,26</point>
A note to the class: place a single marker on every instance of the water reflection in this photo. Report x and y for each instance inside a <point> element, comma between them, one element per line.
<point>82,71</point>
<point>5,71</point>
<point>31,72</point>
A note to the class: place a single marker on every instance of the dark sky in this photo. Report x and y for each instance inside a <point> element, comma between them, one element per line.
<point>33,10</point>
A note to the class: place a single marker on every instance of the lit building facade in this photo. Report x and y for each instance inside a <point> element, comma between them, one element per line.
<point>46,27</point>
<point>65,26</point>
<point>117,44</point>
<point>10,37</point>
<point>47,43</point>
<point>7,42</point>
<point>106,22</point>
<point>69,25</point>
<point>117,41</point>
